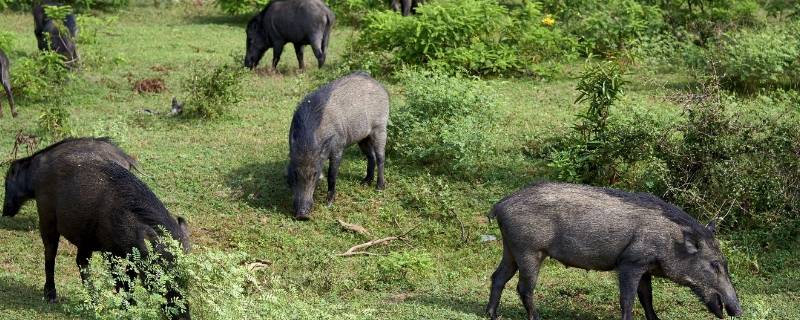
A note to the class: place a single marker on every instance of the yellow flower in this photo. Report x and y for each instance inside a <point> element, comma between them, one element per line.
<point>548,20</point>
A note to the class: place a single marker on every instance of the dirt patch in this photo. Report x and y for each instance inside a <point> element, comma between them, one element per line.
<point>152,85</point>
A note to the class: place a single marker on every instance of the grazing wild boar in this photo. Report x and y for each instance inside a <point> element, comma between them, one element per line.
<point>352,109</point>
<point>18,187</point>
<point>300,22</point>
<point>5,80</point>
<point>96,204</point>
<point>50,37</point>
<point>636,234</point>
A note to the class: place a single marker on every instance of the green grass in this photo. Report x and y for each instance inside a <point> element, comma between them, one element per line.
<point>226,177</point>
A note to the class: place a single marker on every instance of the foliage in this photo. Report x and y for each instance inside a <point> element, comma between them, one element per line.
<point>717,164</point>
<point>81,5</point>
<point>753,59</point>
<point>585,153</point>
<point>90,26</point>
<point>54,124</point>
<point>404,268</point>
<point>112,292</point>
<point>470,36</point>
<point>214,89</point>
<point>606,28</point>
<point>7,40</point>
<point>702,20</point>
<point>353,11</point>
<point>40,75</point>
<point>240,6</point>
<point>445,120</point>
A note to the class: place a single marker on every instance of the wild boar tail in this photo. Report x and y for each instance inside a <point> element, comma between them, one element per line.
<point>492,213</point>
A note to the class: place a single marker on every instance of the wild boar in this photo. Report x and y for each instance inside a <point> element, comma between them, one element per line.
<point>636,234</point>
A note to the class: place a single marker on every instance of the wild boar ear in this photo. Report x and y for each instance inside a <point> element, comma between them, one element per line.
<point>690,243</point>
<point>712,226</point>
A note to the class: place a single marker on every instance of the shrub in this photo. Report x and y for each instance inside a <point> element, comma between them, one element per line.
<point>445,121</point>
<point>213,285</point>
<point>585,155</point>
<point>7,40</point>
<point>469,36</point>
<point>90,26</point>
<point>353,11</point>
<point>214,89</point>
<point>240,6</point>
<point>766,58</point>
<point>40,75</point>
<point>54,124</point>
<point>606,28</point>
<point>740,167</point>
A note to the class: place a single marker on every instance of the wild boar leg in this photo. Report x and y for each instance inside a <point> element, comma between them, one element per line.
<point>645,293</point>
<point>333,170</point>
<point>629,277</point>
<point>316,46</point>
<point>298,51</point>
<point>10,95</point>
<point>277,49</point>
<point>500,277</point>
<point>50,240</point>
<point>82,260</point>
<point>379,146</point>
<point>528,274</point>
<point>366,148</point>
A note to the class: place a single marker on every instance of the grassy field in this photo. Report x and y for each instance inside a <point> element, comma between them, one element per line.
<point>226,177</point>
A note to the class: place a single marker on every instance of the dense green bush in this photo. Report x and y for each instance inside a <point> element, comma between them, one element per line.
<point>40,75</point>
<point>752,59</point>
<point>80,5</point>
<point>213,285</point>
<point>353,11</point>
<point>241,6</point>
<point>741,168</point>
<point>445,121</point>
<point>7,40</point>
<point>607,27</point>
<point>471,36</point>
<point>54,124</point>
<point>214,89</point>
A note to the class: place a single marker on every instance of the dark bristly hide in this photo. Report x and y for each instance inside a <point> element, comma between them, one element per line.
<point>636,234</point>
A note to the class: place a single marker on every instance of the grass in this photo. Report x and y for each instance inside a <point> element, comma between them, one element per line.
<point>226,177</point>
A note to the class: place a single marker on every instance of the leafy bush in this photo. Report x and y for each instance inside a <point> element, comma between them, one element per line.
<point>141,297</point>
<point>39,75</point>
<point>214,89</point>
<point>753,59</point>
<point>213,285</point>
<point>445,121</point>
<point>54,124</point>
<point>738,167</point>
<point>609,27</point>
<point>240,6</point>
<point>585,154</point>
<point>703,20</point>
<point>91,25</point>
<point>353,11</point>
<point>7,40</point>
<point>470,36</point>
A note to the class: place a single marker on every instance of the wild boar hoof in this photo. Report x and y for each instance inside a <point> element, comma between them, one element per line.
<point>380,186</point>
<point>366,182</point>
<point>302,216</point>
<point>50,296</point>
<point>331,197</point>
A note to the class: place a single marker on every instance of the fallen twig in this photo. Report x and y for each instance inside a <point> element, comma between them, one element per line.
<point>355,249</point>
